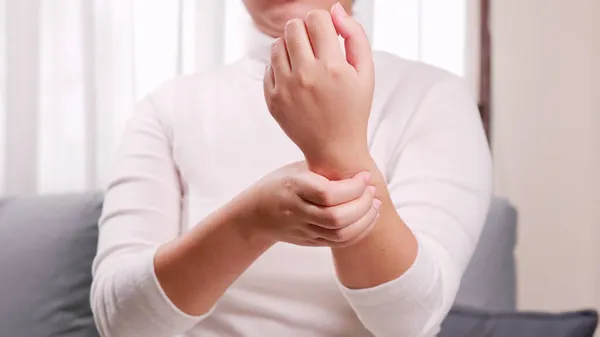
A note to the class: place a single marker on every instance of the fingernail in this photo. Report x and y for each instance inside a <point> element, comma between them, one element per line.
<point>368,177</point>
<point>373,190</point>
<point>340,10</point>
<point>377,204</point>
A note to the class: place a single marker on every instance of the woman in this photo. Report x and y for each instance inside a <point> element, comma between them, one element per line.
<point>334,194</point>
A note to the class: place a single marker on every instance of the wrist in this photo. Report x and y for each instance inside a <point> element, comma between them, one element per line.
<point>342,166</point>
<point>245,220</point>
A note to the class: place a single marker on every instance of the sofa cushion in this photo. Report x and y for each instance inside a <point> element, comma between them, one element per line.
<point>47,245</point>
<point>489,281</point>
<point>473,323</point>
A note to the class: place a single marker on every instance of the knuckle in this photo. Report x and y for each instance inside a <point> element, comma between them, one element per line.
<point>290,183</point>
<point>317,15</point>
<point>334,69</point>
<point>276,43</point>
<point>284,98</point>
<point>305,79</point>
<point>326,217</point>
<point>322,195</point>
<point>279,96</point>
<point>367,199</point>
<point>340,235</point>
<point>275,97</point>
<point>271,106</point>
<point>287,212</point>
<point>269,101</point>
<point>275,47</point>
<point>332,219</point>
<point>293,24</point>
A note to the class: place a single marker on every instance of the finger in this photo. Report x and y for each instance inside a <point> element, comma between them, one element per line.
<point>343,215</point>
<point>356,239</point>
<point>298,44</point>
<point>280,62</point>
<point>358,48</point>
<point>323,192</point>
<point>269,80</point>
<point>348,233</point>
<point>323,36</point>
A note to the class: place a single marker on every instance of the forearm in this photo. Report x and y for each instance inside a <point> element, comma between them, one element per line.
<point>392,291</point>
<point>390,249</point>
<point>196,269</point>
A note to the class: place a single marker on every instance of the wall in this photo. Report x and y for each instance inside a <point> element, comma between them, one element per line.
<point>546,139</point>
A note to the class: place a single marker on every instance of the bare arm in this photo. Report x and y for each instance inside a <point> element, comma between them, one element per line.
<point>391,248</point>
<point>149,280</point>
<point>333,96</point>
<point>197,268</point>
<point>402,278</point>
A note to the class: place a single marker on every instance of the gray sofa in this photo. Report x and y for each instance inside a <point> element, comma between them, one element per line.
<point>47,245</point>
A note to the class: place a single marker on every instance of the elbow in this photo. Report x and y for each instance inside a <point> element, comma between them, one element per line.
<point>115,313</point>
<point>416,303</point>
<point>116,299</point>
<point>443,287</point>
<point>126,299</point>
<point>102,308</point>
<point>432,300</point>
<point>103,297</point>
<point>436,282</point>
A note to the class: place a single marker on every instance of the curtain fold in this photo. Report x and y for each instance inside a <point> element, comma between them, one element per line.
<point>3,103</point>
<point>68,92</point>
<point>62,97</point>
<point>113,81</point>
<point>22,94</point>
<point>72,70</point>
<point>86,90</point>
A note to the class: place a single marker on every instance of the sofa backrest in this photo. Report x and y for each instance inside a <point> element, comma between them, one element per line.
<point>489,282</point>
<point>47,245</point>
<point>46,249</point>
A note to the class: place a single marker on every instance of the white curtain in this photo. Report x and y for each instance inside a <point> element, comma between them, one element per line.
<point>71,70</point>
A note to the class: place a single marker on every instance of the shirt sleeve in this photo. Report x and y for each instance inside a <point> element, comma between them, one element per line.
<point>141,211</point>
<point>440,181</point>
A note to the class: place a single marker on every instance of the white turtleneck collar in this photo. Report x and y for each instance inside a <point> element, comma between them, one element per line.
<point>258,45</point>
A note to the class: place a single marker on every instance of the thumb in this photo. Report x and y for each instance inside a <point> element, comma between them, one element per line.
<point>321,191</point>
<point>346,190</point>
<point>358,49</point>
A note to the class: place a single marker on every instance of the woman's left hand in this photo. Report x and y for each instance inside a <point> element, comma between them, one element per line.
<point>321,98</point>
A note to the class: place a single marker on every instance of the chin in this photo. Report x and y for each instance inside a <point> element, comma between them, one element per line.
<point>274,20</point>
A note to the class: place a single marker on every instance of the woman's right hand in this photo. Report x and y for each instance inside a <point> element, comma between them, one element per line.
<point>300,207</point>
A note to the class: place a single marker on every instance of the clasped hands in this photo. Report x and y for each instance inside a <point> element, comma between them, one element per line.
<point>322,99</point>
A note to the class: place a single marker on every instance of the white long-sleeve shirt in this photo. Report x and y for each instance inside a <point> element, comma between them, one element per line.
<point>199,140</point>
